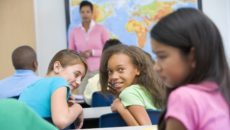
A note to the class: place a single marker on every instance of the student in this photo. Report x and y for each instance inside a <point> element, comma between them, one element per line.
<point>192,62</point>
<point>48,96</point>
<point>88,39</point>
<point>25,63</point>
<point>16,115</point>
<point>93,84</point>
<point>129,72</point>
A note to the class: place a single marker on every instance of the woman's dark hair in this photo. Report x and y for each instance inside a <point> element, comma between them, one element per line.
<point>142,62</point>
<point>86,3</point>
<point>189,28</point>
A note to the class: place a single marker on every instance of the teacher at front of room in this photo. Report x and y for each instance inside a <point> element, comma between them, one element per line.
<point>88,39</point>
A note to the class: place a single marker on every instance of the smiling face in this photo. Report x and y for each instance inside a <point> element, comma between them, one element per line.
<point>86,14</point>
<point>73,74</point>
<point>121,71</point>
<point>172,67</point>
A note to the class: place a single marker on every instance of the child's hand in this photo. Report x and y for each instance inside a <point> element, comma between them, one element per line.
<point>117,105</point>
<point>79,121</point>
<point>86,54</point>
<point>71,100</point>
<point>112,89</point>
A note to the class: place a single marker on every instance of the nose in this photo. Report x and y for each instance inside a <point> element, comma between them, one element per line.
<point>78,81</point>
<point>113,77</point>
<point>157,67</point>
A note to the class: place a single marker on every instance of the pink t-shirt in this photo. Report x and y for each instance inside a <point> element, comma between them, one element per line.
<point>94,40</point>
<point>199,107</point>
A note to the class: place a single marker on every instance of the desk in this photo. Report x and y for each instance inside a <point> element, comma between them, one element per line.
<point>95,112</point>
<point>152,127</point>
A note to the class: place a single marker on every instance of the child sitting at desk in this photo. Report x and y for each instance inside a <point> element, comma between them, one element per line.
<point>48,96</point>
<point>93,84</point>
<point>191,61</point>
<point>129,72</point>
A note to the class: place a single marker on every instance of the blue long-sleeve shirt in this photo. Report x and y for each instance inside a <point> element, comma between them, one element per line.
<point>15,84</point>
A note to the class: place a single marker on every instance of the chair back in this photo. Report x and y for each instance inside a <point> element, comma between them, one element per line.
<point>115,120</point>
<point>100,99</point>
<point>15,97</point>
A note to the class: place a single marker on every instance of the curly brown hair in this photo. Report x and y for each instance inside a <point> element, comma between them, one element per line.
<point>142,62</point>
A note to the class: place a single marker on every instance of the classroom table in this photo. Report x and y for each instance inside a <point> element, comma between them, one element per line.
<point>95,112</point>
<point>92,115</point>
<point>152,127</point>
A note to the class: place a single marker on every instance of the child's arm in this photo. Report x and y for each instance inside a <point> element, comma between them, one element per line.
<point>125,114</point>
<point>140,114</point>
<point>62,114</point>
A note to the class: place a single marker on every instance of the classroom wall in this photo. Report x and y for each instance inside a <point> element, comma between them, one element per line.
<point>219,12</point>
<point>16,28</point>
<point>50,30</point>
<point>20,19</point>
<point>50,26</point>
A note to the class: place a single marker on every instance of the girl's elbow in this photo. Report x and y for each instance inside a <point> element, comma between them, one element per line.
<point>61,123</point>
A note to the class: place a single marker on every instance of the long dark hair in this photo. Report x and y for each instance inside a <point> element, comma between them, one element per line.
<point>147,77</point>
<point>189,28</point>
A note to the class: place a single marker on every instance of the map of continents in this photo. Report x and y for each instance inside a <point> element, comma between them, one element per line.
<point>129,20</point>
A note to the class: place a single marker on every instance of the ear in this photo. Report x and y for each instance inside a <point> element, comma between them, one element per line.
<point>192,58</point>
<point>57,67</point>
<point>137,72</point>
<point>35,66</point>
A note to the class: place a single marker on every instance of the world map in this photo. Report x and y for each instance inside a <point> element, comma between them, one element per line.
<point>130,21</point>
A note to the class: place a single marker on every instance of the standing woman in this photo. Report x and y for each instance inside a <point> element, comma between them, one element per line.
<point>88,39</point>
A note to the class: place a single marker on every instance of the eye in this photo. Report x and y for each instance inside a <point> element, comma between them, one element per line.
<point>109,72</point>
<point>161,57</point>
<point>120,70</point>
<point>77,74</point>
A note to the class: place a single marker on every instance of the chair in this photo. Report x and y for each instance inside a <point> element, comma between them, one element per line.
<point>100,99</point>
<point>115,120</point>
<point>15,97</point>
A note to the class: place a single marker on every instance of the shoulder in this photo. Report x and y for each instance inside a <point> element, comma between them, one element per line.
<point>53,82</point>
<point>135,95</point>
<point>59,81</point>
<point>7,79</point>
<point>54,79</point>
<point>182,94</point>
<point>76,29</point>
<point>99,26</point>
<point>182,106</point>
<point>194,90</point>
<point>133,90</point>
<point>94,78</point>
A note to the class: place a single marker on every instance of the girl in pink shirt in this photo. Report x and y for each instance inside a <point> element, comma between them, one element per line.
<point>192,63</point>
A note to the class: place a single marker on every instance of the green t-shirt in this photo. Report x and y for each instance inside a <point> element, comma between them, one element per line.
<point>15,115</point>
<point>137,95</point>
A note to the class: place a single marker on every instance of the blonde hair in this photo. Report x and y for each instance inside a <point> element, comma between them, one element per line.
<point>66,58</point>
